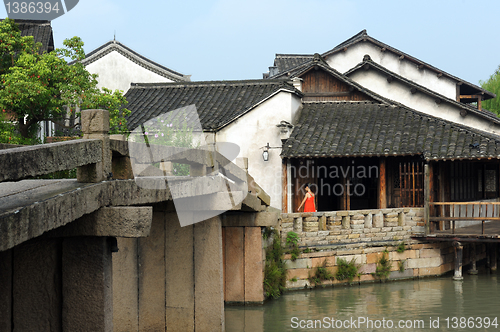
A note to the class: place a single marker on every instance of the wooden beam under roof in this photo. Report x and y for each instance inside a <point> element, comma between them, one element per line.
<point>479,99</point>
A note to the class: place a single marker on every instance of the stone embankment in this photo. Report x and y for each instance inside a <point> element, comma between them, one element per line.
<point>364,237</point>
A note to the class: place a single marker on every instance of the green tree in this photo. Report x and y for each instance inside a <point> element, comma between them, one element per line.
<point>43,86</point>
<point>493,85</point>
<point>8,130</point>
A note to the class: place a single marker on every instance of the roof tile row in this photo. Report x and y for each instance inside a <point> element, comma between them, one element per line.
<point>335,129</point>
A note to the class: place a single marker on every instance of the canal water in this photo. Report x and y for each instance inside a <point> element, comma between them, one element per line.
<point>431,304</point>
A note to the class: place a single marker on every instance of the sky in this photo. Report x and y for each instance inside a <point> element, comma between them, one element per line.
<point>238,39</point>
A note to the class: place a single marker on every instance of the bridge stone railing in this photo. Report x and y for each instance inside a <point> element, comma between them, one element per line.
<point>98,158</point>
<point>29,161</point>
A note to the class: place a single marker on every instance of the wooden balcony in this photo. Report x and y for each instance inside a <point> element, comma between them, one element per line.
<point>466,219</point>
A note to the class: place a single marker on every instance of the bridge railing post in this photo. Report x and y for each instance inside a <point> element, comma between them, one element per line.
<point>95,125</point>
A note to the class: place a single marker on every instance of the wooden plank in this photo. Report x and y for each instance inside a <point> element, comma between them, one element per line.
<point>327,94</point>
<point>465,203</point>
<point>470,96</point>
<point>463,218</point>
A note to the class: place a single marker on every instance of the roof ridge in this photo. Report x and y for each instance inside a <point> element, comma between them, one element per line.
<point>218,104</point>
<point>318,61</point>
<point>33,22</point>
<point>367,60</point>
<point>345,102</point>
<point>360,34</point>
<point>294,55</point>
<point>212,83</point>
<point>115,44</point>
<point>364,35</point>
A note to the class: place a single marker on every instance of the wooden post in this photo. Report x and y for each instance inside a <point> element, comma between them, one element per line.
<point>382,185</point>
<point>427,194</point>
<point>346,199</point>
<point>284,189</point>
<point>441,193</point>
<point>458,261</point>
<point>493,258</point>
<point>473,270</point>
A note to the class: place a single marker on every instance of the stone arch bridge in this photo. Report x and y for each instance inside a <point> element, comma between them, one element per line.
<point>104,253</point>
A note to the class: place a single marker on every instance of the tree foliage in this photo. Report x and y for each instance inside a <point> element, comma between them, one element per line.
<point>492,85</point>
<point>39,86</point>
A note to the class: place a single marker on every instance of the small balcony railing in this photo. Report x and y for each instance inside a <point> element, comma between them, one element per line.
<point>464,217</point>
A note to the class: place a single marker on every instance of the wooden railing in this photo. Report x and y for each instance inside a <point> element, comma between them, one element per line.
<point>445,215</point>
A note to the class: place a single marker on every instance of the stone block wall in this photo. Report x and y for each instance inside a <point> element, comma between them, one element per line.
<point>328,228</point>
<point>419,260</point>
<point>244,260</point>
<point>172,279</point>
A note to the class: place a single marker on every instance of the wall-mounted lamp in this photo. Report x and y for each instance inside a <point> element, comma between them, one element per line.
<point>265,153</point>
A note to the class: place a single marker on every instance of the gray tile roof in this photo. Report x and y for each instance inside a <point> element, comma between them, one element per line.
<point>318,62</point>
<point>284,62</point>
<point>218,102</point>
<point>40,30</point>
<point>466,88</point>
<point>339,129</point>
<point>287,63</point>
<point>490,116</point>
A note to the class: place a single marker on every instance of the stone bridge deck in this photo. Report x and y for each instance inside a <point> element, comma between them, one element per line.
<point>31,207</point>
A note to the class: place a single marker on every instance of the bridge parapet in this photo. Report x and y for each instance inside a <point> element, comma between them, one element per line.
<point>30,161</point>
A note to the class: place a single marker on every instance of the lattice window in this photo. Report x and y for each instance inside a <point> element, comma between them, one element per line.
<point>490,177</point>
<point>411,181</point>
<point>463,181</point>
<point>396,181</point>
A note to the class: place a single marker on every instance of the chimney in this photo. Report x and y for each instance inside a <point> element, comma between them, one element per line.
<point>297,83</point>
<point>285,129</point>
<point>273,71</point>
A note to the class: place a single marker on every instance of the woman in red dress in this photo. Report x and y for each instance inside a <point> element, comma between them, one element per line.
<point>308,200</point>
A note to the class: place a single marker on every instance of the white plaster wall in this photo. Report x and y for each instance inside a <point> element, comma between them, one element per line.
<point>116,72</point>
<point>344,61</point>
<point>253,131</point>
<point>377,82</point>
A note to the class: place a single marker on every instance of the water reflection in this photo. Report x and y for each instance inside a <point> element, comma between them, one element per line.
<point>408,301</point>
